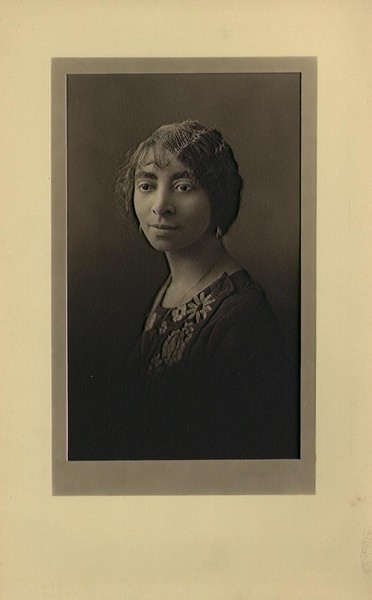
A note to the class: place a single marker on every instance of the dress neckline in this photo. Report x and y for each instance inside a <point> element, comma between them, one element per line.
<point>216,284</point>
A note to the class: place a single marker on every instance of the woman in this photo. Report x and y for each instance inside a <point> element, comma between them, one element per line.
<point>208,377</point>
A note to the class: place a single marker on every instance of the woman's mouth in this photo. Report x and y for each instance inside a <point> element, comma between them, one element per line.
<point>161,227</point>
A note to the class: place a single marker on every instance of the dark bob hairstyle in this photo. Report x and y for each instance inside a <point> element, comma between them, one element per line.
<point>208,158</point>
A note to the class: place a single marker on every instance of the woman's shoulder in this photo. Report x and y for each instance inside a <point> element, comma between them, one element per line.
<point>243,316</point>
<point>243,283</point>
<point>243,295</point>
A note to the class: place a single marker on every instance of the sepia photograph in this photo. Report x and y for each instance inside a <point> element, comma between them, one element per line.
<point>186,216</point>
<point>183,265</point>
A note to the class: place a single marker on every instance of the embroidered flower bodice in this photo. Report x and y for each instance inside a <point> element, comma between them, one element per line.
<point>170,331</point>
<point>207,379</point>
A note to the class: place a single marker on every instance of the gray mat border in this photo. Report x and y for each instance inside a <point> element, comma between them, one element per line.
<point>184,477</point>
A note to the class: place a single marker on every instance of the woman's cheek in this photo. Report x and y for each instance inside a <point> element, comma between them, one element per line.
<point>138,209</point>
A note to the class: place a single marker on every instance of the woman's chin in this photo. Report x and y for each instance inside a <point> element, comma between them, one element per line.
<point>162,244</point>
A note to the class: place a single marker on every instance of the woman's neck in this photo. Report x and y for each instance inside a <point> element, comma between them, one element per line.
<point>186,266</point>
<point>195,269</point>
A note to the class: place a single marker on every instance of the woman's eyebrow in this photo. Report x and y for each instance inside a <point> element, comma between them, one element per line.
<point>146,175</point>
<point>181,175</point>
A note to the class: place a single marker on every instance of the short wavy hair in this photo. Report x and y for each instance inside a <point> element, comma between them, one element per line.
<point>204,152</point>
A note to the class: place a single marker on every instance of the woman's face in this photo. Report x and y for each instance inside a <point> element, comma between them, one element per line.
<point>173,211</point>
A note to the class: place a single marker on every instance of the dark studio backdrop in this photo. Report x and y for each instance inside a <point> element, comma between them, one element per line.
<point>113,273</point>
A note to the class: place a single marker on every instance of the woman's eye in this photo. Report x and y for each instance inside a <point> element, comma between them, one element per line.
<point>183,187</point>
<point>145,187</point>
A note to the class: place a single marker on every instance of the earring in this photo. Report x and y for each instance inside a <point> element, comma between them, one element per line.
<point>218,232</point>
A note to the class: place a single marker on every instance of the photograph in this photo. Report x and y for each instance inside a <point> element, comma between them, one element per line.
<point>186,218</point>
<point>182,191</point>
<point>214,371</point>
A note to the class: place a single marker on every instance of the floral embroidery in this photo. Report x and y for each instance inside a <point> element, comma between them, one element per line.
<point>175,344</point>
<point>172,349</point>
<point>178,313</point>
<point>163,328</point>
<point>179,334</point>
<point>200,307</point>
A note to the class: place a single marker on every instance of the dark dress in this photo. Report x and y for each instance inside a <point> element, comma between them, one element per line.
<point>209,380</point>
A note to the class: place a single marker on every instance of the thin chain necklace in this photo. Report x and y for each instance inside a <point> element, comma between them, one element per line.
<point>188,291</point>
<point>153,314</point>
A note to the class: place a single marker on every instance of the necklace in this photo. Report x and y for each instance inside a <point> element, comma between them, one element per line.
<point>153,314</point>
<point>189,290</point>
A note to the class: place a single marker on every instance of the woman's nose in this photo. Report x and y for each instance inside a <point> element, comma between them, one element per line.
<point>162,203</point>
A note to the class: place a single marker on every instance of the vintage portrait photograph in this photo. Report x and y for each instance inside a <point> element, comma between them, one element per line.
<point>186,217</point>
<point>183,265</point>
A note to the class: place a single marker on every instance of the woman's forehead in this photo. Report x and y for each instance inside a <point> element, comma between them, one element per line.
<point>159,157</point>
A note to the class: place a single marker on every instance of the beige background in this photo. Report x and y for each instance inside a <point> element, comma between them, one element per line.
<point>254,547</point>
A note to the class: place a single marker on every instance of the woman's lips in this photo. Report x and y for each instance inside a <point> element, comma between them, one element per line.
<point>163,227</point>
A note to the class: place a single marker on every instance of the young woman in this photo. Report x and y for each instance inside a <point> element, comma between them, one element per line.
<point>208,378</point>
